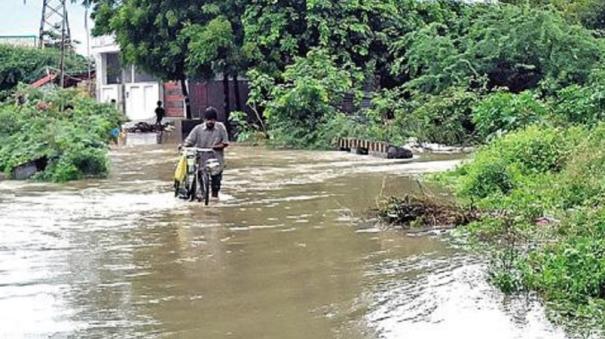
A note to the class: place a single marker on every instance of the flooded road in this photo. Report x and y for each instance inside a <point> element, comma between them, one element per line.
<point>284,254</point>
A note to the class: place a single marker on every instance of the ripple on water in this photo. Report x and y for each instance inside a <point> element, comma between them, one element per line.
<point>439,297</point>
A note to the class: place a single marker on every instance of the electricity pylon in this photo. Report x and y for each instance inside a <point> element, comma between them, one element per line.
<point>54,25</point>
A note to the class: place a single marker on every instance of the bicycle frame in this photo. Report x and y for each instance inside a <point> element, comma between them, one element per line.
<point>198,172</point>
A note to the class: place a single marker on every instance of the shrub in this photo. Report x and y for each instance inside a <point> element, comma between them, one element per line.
<point>572,269</point>
<point>307,101</point>
<point>74,142</point>
<point>580,105</point>
<point>503,164</point>
<point>487,176</point>
<point>582,182</point>
<point>444,119</point>
<point>540,191</point>
<point>397,115</point>
<point>502,112</point>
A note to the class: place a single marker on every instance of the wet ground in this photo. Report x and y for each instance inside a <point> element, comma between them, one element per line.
<point>286,253</point>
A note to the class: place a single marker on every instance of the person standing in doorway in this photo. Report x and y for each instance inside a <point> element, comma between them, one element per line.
<point>160,113</point>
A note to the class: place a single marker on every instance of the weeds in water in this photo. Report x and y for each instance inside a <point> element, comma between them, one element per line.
<point>422,212</point>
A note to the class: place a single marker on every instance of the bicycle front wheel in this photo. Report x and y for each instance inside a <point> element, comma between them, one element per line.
<point>193,189</point>
<point>206,179</point>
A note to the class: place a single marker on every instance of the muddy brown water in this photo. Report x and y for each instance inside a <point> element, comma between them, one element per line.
<point>283,254</point>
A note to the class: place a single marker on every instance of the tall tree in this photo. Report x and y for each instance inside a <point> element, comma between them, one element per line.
<point>355,32</point>
<point>276,32</point>
<point>499,46</point>
<point>215,47</point>
<point>590,13</point>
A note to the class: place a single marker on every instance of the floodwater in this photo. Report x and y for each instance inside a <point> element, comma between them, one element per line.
<point>288,252</point>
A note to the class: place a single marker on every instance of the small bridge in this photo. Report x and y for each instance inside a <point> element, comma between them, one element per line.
<point>375,148</point>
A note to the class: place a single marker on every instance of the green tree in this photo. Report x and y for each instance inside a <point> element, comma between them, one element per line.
<point>300,109</point>
<point>357,32</point>
<point>275,32</point>
<point>590,13</point>
<point>504,45</point>
<point>215,46</point>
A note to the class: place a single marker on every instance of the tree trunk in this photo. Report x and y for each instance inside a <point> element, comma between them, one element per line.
<point>238,99</point>
<point>183,82</point>
<point>227,102</point>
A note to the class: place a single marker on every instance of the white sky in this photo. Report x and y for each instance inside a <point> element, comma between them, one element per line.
<point>24,19</point>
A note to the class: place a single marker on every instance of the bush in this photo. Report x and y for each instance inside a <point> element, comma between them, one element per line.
<point>502,112</point>
<point>571,270</point>
<point>487,176</point>
<point>74,142</point>
<point>582,182</point>
<point>580,105</point>
<point>397,115</point>
<point>443,119</point>
<point>505,163</point>
<point>541,191</point>
<point>307,101</point>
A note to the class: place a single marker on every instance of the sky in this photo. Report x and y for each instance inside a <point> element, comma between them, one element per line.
<point>24,19</point>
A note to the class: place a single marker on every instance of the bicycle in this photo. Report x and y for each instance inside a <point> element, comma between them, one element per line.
<point>197,179</point>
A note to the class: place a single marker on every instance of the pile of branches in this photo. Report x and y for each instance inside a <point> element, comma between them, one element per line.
<point>423,212</point>
<point>143,127</point>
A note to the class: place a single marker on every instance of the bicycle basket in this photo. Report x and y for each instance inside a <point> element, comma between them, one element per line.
<point>214,167</point>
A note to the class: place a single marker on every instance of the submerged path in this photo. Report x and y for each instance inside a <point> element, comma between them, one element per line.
<point>282,255</point>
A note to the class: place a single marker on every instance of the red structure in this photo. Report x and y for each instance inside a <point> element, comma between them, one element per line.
<point>173,100</point>
<point>46,80</point>
<point>71,80</point>
<point>203,95</point>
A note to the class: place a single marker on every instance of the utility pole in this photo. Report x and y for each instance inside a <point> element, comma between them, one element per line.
<point>55,31</point>
<point>86,15</point>
<point>62,64</point>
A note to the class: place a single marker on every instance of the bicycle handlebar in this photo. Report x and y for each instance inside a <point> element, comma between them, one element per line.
<point>199,150</point>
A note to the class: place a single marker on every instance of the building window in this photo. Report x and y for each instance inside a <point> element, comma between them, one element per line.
<point>128,74</point>
<point>141,76</point>
<point>113,72</point>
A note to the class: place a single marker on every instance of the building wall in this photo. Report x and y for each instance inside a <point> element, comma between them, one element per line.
<point>135,92</point>
<point>174,100</point>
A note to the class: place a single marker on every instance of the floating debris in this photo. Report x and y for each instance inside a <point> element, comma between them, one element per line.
<point>423,212</point>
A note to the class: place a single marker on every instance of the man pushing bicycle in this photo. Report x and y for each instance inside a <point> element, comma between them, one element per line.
<point>211,134</point>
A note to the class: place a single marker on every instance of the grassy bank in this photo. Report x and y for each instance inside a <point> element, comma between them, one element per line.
<point>540,191</point>
<point>66,129</point>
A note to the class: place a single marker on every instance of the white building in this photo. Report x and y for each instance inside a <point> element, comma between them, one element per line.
<point>134,91</point>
